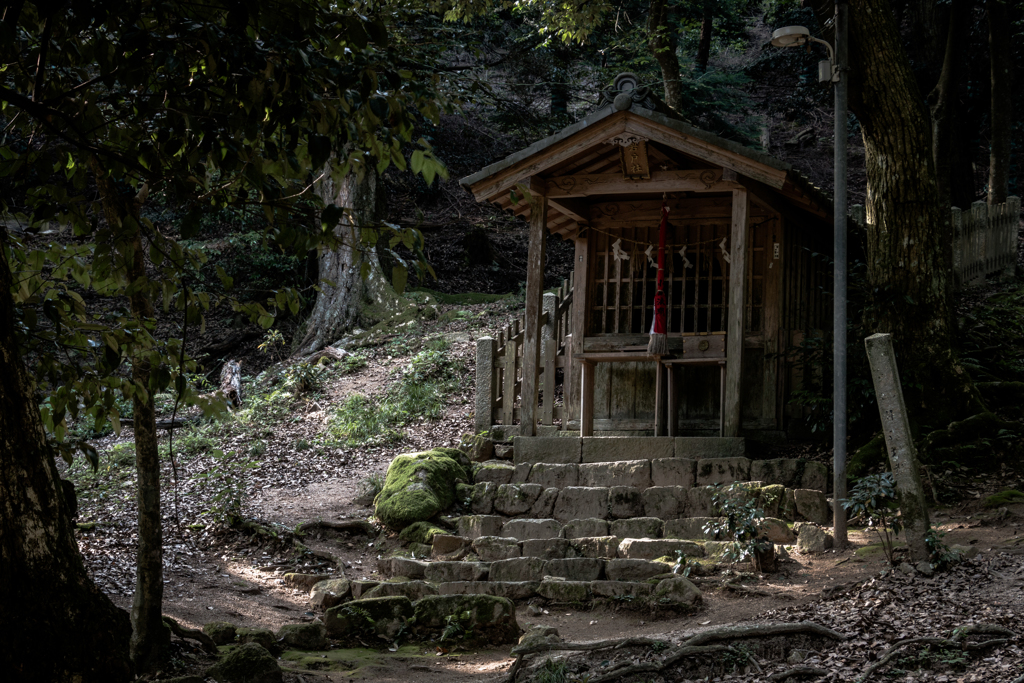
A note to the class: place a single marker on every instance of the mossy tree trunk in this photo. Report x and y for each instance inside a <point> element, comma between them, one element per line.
<point>662,42</point>
<point>55,624</point>
<point>707,24</point>
<point>150,637</point>
<point>353,289</point>
<point>909,234</point>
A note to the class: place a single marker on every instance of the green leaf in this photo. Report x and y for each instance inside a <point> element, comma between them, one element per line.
<point>399,277</point>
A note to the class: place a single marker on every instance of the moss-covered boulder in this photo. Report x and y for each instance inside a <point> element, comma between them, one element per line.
<point>304,636</point>
<point>420,532</point>
<point>369,618</point>
<point>1008,497</point>
<point>677,592</point>
<point>249,663</point>
<point>480,619</point>
<point>329,593</point>
<point>417,487</point>
<point>222,632</point>
<point>261,636</point>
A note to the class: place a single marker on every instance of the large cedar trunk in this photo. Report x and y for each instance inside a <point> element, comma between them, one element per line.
<point>704,43</point>
<point>1001,59</point>
<point>909,234</point>
<point>348,298</point>
<point>662,43</point>
<point>150,637</point>
<point>944,107</point>
<point>55,624</point>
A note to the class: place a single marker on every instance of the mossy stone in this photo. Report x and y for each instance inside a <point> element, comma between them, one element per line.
<point>327,594</point>
<point>262,636</point>
<point>677,592</point>
<point>304,636</point>
<point>368,618</point>
<point>771,499</point>
<point>488,619</point>
<point>420,532</point>
<point>249,663</point>
<point>417,487</point>
<point>1008,497</point>
<point>222,632</point>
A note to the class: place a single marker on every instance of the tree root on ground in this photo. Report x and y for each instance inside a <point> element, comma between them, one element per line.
<point>955,640</point>
<point>706,642</point>
<point>729,585</point>
<point>191,634</point>
<point>358,526</point>
<point>798,671</point>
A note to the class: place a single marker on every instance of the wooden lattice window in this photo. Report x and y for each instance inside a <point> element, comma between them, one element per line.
<point>698,295</point>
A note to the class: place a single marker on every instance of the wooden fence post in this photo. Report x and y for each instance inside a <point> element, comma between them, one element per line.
<point>550,307</point>
<point>899,443</point>
<point>484,413</point>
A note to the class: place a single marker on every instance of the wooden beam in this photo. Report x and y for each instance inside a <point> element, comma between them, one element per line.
<point>771,200</point>
<point>705,151</point>
<point>580,284</point>
<point>534,303</point>
<point>586,185</point>
<point>732,404</point>
<point>576,209</point>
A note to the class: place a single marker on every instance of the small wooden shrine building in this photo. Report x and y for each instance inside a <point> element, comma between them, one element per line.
<point>745,280</point>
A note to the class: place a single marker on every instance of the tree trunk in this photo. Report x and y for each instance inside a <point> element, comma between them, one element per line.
<point>704,43</point>
<point>944,106</point>
<point>150,637</point>
<point>356,291</point>
<point>55,624</point>
<point>1001,59</point>
<point>909,257</point>
<point>662,43</point>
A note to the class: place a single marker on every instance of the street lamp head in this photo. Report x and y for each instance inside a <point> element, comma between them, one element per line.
<point>788,36</point>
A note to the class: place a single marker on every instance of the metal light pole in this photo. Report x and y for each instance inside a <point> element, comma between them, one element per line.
<point>836,72</point>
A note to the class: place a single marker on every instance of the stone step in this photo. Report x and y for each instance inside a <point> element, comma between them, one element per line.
<point>534,501</point>
<point>649,470</point>
<point>563,449</point>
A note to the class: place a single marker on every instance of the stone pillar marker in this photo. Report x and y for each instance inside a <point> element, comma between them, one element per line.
<point>899,443</point>
<point>485,350</point>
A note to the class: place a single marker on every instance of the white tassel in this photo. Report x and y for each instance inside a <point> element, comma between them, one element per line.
<point>725,254</point>
<point>648,252</point>
<point>686,261</point>
<point>617,251</point>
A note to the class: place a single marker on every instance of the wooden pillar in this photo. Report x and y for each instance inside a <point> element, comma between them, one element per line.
<point>586,398</point>
<point>579,323</point>
<point>534,302</point>
<point>772,322</point>
<point>732,403</point>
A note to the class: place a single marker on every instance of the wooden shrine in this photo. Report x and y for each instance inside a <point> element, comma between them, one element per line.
<point>745,280</point>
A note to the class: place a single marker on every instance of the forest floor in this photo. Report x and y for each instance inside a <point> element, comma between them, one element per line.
<point>288,456</point>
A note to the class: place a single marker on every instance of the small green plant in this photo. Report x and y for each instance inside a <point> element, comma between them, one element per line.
<point>457,626</point>
<point>874,498</point>
<point>683,565</point>
<point>352,363</point>
<point>552,672</point>
<point>736,657</point>
<point>942,556</point>
<point>273,344</point>
<point>659,646</point>
<point>303,378</point>
<point>740,521</point>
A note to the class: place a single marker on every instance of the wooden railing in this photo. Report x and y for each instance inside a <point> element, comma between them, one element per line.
<point>984,240</point>
<point>499,365</point>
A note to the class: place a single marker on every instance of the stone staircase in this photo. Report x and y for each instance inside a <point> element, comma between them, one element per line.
<point>577,519</point>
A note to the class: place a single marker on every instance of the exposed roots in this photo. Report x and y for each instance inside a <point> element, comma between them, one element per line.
<point>954,641</point>
<point>798,671</point>
<point>191,634</point>
<point>355,526</point>
<point>706,642</point>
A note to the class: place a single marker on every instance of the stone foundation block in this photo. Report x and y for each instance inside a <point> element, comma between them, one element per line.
<point>551,449</point>
<point>496,471</point>
<point>446,544</point>
<point>545,505</point>
<point>531,529</point>
<point>722,471</point>
<point>787,508</point>
<point>621,590</point>
<point>576,568</point>
<point>516,499</point>
<point>674,472</point>
<point>699,502</point>
<point>595,546</point>
<point>689,528</point>
<point>547,548</point>
<point>442,572</point>
<point>777,531</point>
<point>513,590</point>
<point>661,502</point>
<point>771,499</point>
<point>653,548</point>
<point>482,502</point>
<point>361,588</point>
<point>521,475</point>
<point>624,502</point>
<point>579,528</point>
<point>633,570</point>
<point>709,447</point>
<point>475,526</point>
<point>518,569</point>
<point>632,473</point>
<point>491,548</point>
<point>559,476</point>
<point>578,502</point>
<point>403,566</point>
<point>637,527</point>
<point>612,448</point>
<point>414,590</point>
<point>564,591</point>
<point>812,506</point>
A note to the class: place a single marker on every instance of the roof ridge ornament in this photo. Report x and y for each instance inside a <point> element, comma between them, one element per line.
<point>627,91</point>
<point>626,139</point>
